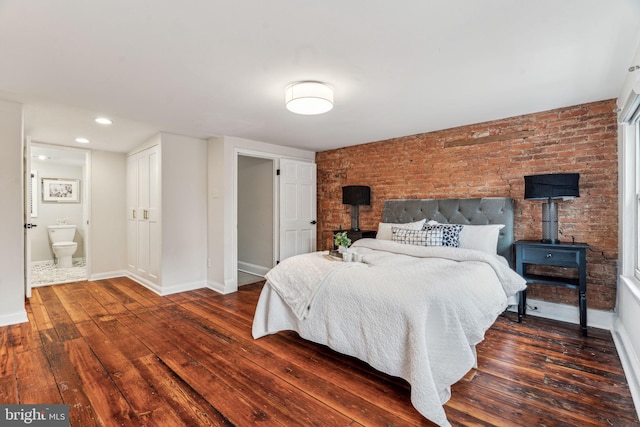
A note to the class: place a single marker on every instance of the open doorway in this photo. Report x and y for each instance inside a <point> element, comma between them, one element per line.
<point>54,168</point>
<point>256,218</point>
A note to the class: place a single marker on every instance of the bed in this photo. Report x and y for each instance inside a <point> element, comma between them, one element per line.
<point>413,309</point>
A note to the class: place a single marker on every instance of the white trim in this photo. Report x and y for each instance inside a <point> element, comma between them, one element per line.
<point>14,318</point>
<point>183,287</point>
<point>568,313</point>
<point>144,282</point>
<point>256,270</point>
<point>108,275</point>
<point>630,361</point>
<point>217,286</point>
<point>167,290</point>
<point>633,286</point>
<point>627,192</point>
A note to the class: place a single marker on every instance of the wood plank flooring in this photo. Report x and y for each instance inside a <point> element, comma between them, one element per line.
<point>119,354</point>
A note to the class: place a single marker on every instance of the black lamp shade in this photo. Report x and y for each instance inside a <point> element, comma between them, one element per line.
<point>355,195</point>
<point>551,186</point>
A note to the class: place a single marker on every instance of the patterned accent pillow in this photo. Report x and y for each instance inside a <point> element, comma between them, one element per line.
<point>409,237</point>
<point>450,233</point>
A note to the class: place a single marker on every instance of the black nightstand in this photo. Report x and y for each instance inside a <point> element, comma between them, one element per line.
<point>357,235</point>
<point>573,255</point>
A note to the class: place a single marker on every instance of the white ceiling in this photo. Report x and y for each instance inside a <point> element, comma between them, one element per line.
<point>212,67</point>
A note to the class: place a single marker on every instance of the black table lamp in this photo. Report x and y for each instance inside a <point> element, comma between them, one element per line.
<point>550,187</point>
<point>356,195</point>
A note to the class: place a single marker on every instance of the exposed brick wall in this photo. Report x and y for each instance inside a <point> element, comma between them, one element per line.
<point>490,160</point>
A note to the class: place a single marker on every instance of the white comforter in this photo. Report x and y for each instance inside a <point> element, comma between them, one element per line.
<point>414,312</point>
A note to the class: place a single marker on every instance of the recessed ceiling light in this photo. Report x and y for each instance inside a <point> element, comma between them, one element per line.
<point>82,140</point>
<point>103,121</point>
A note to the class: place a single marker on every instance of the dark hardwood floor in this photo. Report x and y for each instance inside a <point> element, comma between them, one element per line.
<point>118,354</point>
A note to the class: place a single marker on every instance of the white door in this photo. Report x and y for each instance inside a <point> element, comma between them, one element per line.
<point>132,213</point>
<point>297,208</point>
<point>143,214</point>
<point>30,197</point>
<point>142,265</point>
<point>153,214</point>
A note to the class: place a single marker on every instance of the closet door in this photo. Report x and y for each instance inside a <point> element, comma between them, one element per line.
<point>143,214</point>
<point>132,213</point>
<point>142,162</point>
<point>153,214</point>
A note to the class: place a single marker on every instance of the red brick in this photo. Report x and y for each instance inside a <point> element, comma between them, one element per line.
<point>580,138</point>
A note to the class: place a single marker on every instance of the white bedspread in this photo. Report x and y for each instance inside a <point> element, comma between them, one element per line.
<point>416,312</point>
<point>298,279</point>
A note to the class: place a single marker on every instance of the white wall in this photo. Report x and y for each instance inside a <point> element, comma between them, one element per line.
<point>217,232</point>
<point>108,214</point>
<point>49,213</point>
<point>222,220</point>
<point>255,214</point>
<point>12,289</point>
<point>184,212</point>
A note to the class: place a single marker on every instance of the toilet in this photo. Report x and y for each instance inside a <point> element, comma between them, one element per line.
<point>62,243</point>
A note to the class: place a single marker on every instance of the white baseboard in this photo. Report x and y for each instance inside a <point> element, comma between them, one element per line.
<point>228,287</point>
<point>256,270</point>
<point>215,286</point>
<point>144,282</point>
<point>568,313</point>
<point>182,287</point>
<point>166,290</point>
<point>14,318</point>
<point>630,361</point>
<point>108,275</point>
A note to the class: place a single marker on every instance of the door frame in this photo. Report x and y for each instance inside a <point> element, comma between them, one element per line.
<point>27,208</point>
<point>85,200</point>
<point>276,204</point>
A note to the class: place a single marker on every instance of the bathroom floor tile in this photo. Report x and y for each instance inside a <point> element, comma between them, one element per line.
<point>46,273</point>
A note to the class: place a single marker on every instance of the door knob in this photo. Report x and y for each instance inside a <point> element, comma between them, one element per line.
<point>314,222</point>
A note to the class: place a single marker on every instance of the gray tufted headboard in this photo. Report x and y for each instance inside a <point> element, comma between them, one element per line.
<point>486,210</point>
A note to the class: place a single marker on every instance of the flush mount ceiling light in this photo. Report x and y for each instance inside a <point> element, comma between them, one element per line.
<point>309,98</point>
<point>82,140</point>
<point>103,121</point>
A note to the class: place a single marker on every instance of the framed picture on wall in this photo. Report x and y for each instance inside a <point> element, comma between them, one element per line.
<point>59,190</point>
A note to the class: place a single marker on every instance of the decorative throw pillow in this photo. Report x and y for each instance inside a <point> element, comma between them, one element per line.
<point>450,233</point>
<point>409,237</point>
<point>385,228</point>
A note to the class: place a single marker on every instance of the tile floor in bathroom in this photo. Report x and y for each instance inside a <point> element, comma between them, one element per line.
<point>46,273</point>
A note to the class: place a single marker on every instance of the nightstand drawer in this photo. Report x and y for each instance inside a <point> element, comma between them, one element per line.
<point>549,256</point>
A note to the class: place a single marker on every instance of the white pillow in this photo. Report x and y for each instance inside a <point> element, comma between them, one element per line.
<point>384,228</point>
<point>481,237</point>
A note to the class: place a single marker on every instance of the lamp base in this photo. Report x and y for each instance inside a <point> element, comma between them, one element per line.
<point>550,241</point>
<point>355,226</point>
<point>550,222</point>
